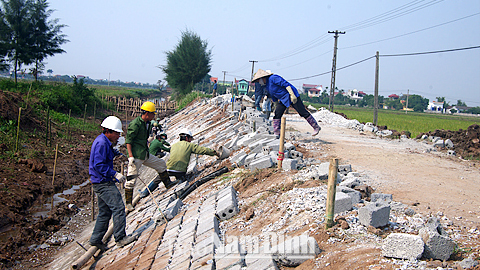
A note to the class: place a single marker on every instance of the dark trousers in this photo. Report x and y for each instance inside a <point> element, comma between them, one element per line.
<point>299,107</point>
<point>110,203</point>
<point>180,176</point>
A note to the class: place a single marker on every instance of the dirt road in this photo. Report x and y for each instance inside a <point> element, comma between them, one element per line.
<point>432,181</point>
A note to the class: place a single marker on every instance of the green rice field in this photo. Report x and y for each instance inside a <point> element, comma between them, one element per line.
<point>414,122</point>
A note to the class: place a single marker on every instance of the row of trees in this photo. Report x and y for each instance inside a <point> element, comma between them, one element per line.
<point>27,36</point>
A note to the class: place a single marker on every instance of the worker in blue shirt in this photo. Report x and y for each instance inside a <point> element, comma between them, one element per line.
<point>103,178</point>
<point>285,95</point>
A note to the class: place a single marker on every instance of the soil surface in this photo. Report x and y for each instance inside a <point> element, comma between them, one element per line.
<point>428,181</point>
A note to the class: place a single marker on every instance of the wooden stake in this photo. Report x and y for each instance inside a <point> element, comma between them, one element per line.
<point>55,163</point>
<point>93,204</point>
<point>84,117</point>
<point>332,182</point>
<point>18,128</point>
<point>46,128</point>
<point>281,148</point>
<point>68,124</point>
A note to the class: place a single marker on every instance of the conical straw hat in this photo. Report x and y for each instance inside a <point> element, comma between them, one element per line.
<point>260,74</point>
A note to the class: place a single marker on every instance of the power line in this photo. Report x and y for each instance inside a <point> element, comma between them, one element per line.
<point>419,53</point>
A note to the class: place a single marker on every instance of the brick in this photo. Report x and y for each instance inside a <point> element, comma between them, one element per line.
<point>261,163</point>
<point>352,193</point>
<point>227,207</point>
<point>343,202</point>
<point>289,164</point>
<point>207,224</point>
<point>437,246</point>
<point>403,246</point>
<point>374,214</point>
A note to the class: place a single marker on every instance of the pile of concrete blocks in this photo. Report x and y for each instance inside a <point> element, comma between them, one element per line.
<point>227,205</point>
<point>432,242</point>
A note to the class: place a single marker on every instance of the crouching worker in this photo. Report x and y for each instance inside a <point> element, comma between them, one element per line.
<point>180,152</point>
<point>103,178</point>
<point>137,145</point>
<point>158,147</point>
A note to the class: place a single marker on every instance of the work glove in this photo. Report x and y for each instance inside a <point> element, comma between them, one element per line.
<point>120,177</point>
<point>150,139</point>
<point>131,166</point>
<point>293,98</point>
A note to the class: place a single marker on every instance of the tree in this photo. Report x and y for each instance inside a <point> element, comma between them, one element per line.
<point>461,103</point>
<point>188,63</point>
<point>418,102</point>
<point>29,36</point>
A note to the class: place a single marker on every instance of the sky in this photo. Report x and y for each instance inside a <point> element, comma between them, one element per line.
<point>127,41</point>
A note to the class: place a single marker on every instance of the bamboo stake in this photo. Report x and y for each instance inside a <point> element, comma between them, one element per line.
<point>18,128</point>
<point>46,128</point>
<point>153,199</point>
<point>281,148</point>
<point>55,163</point>
<point>84,117</point>
<point>94,111</point>
<point>332,182</point>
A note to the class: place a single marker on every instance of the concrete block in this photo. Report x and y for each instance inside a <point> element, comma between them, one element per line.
<point>380,197</point>
<point>352,193</point>
<point>205,224</point>
<point>448,143</point>
<point>173,208</point>
<point>250,158</point>
<point>260,262</point>
<point>289,146</point>
<point>294,251</point>
<point>374,214</point>
<point>437,247</point>
<point>261,163</point>
<point>343,202</point>
<point>227,207</point>
<point>403,246</point>
<point>350,182</point>
<point>180,188</point>
<point>296,154</point>
<point>229,190</point>
<point>289,164</point>
<point>439,143</point>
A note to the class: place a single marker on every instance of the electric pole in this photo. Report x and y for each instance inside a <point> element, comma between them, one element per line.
<point>334,68</point>
<point>375,100</point>
<point>251,78</point>
<point>406,106</point>
<point>224,72</point>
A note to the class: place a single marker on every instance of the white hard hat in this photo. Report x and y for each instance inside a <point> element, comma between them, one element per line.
<point>186,132</point>
<point>113,123</point>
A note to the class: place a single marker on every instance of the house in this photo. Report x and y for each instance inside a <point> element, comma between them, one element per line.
<point>355,94</point>
<point>242,86</point>
<point>393,97</point>
<point>456,109</point>
<point>307,87</point>
<point>213,79</point>
<point>435,106</point>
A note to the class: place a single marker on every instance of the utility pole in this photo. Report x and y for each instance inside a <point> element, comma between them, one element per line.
<point>251,78</point>
<point>224,72</point>
<point>406,106</point>
<point>334,68</point>
<point>375,100</point>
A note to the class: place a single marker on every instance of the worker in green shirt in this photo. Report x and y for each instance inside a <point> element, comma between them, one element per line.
<point>180,152</point>
<point>158,147</point>
<point>138,133</point>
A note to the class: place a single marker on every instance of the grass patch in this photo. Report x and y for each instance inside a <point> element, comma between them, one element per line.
<point>182,103</point>
<point>414,122</point>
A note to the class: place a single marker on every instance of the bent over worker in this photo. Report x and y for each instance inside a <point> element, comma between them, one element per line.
<point>137,145</point>
<point>158,147</point>
<point>103,178</point>
<point>285,95</point>
<point>180,152</point>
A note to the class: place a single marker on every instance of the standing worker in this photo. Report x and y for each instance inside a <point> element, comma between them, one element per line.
<point>103,178</point>
<point>137,137</point>
<point>259,93</point>
<point>180,152</point>
<point>285,95</point>
<point>158,147</point>
<point>214,93</point>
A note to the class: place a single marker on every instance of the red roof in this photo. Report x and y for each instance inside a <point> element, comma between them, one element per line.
<point>213,79</point>
<point>362,93</point>
<point>393,96</point>
<point>310,85</point>
<point>314,90</point>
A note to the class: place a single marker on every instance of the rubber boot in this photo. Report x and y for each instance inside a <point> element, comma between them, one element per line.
<point>152,186</point>
<point>276,126</point>
<point>166,180</point>
<point>314,124</point>
<point>128,199</point>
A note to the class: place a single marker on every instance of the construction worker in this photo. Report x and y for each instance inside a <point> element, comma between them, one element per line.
<point>180,157</point>
<point>285,95</point>
<point>137,145</point>
<point>103,178</point>
<point>158,147</point>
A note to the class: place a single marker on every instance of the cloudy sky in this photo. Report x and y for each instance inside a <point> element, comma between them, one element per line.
<point>421,43</point>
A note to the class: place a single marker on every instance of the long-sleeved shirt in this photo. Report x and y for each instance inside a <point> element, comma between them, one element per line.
<point>277,88</point>
<point>101,160</point>
<point>156,145</point>
<point>180,155</point>
<point>137,135</point>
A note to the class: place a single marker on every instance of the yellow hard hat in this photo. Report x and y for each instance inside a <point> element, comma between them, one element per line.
<point>148,106</point>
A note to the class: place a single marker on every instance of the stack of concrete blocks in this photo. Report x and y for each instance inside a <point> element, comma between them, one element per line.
<point>227,205</point>
<point>438,245</point>
<point>165,249</point>
<point>374,214</point>
<point>403,246</point>
<point>230,256</point>
<point>207,236</point>
<point>182,253</point>
<point>295,250</point>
